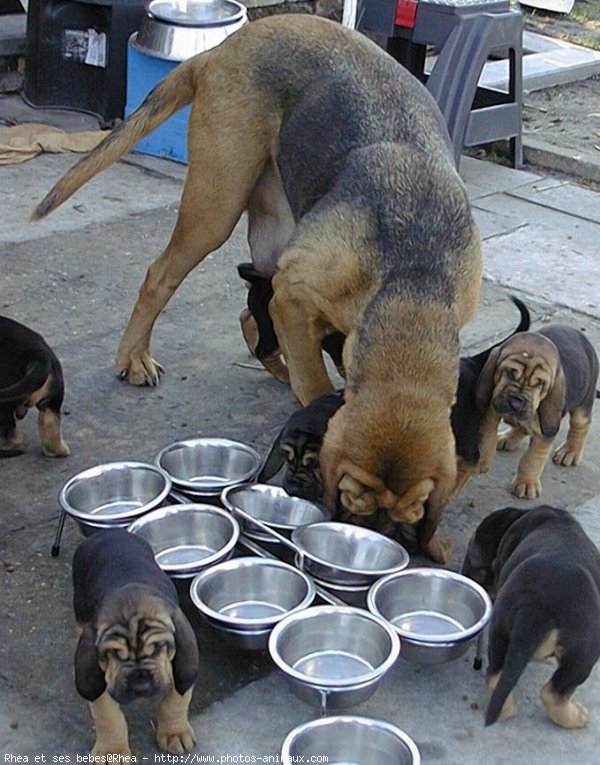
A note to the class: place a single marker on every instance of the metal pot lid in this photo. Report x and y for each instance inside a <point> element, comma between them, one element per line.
<point>196,13</point>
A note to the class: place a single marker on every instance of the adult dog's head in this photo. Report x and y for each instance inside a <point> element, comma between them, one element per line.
<point>139,645</point>
<point>393,456</point>
<point>524,378</point>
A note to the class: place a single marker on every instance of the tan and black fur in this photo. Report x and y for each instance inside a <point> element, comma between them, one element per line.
<point>543,572</point>
<point>134,641</point>
<point>343,162</point>
<point>532,381</point>
<point>30,375</point>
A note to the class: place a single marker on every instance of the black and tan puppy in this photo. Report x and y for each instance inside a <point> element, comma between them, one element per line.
<point>544,573</point>
<point>343,162</point>
<point>134,641</point>
<point>298,446</point>
<point>531,382</point>
<point>30,375</point>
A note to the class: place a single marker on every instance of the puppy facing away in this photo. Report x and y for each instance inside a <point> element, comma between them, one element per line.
<point>30,375</point>
<point>134,641</point>
<point>531,382</point>
<point>544,573</point>
<point>344,165</point>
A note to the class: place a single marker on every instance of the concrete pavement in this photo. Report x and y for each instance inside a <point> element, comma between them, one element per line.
<point>74,277</point>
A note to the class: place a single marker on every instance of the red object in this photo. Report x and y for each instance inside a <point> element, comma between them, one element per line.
<point>406,12</point>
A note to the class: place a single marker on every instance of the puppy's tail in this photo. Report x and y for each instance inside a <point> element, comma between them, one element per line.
<point>171,94</point>
<point>525,320</point>
<point>526,634</point>
<point>35,376</point>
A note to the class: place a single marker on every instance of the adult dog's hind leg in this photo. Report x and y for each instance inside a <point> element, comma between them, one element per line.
<point>225,161</point>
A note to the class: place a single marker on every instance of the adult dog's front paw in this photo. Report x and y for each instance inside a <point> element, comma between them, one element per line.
<point>140,369</point>
<point>357,498</point>
<point>176,741</point>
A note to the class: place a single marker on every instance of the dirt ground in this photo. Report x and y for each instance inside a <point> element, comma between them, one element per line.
<point>567,115</point>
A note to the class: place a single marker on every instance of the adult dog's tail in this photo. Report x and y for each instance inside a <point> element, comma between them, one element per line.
<point>171,94</point>
<point>526,634</point>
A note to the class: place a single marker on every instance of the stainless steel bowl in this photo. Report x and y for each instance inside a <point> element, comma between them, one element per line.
<point>201,467</point>
<point>176,31</point>
<point>246,597</point>
<point>274,507</point>
<point>351,595</point>
<point>333,656</point>
<point>350,739</point>
<point>186,539</point>
<point>436,613</point>
<point>348,555</point>
<point>113,494</point>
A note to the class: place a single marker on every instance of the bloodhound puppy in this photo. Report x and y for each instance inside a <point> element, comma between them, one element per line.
<point>343,162</point>
<point>30,375</point>
<point>531,382</point>
<point>544,573</point>
<point>134,641</point>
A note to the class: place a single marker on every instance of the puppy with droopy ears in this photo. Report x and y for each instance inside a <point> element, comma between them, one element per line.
<point>134,642</point>
<point>531,382</point>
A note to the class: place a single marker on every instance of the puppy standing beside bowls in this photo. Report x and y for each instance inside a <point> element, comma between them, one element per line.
<point>531,382</point>
<point>134,641</point>
<point>30,375</point>
<point>545,573</point>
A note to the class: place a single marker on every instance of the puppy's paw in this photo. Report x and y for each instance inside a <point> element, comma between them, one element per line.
<point>106,748</point>
<point>509,708</point>
<point>566,456</point>
<point>62,450</point>
<point>357,498</point>
<point>564,712</point>
<point>140,369</point>
<point>508,441</point>
<point>176,741</point>
<point>526,488</point>
<point>439,548</point>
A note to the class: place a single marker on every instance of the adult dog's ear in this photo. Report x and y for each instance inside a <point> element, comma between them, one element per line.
<point>485,381</point>
<point>274,462</point>
<point>551,408</point>
<point>89,677</point>
<point>186,662</point>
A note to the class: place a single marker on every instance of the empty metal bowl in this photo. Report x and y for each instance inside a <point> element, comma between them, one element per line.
<point>348,555</point>
<point>351,595</point>
<point>274,507</point>
<point>246,597</point>
<point>176,31</point>
<point>436,613</point>
<point>350,739</point>
<point>203,467</point>
<point>113,494</point>
<point>186,539</point>
<point>333,656</point>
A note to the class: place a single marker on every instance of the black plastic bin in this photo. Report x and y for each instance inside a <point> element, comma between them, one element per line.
<point>76,56</point>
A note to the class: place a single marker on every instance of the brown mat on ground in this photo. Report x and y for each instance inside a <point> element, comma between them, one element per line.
<point>22,142</point>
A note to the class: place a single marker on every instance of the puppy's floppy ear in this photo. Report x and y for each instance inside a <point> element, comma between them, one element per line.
<point>186,662</point>
<point>552,407</point>
<point>274,462</point>
<point>485,381</point>
<point>89,677</point>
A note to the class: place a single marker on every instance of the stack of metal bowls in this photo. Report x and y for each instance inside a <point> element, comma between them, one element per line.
<point>186,539</point>
<point>176,30</point>
<point>436,613</point>
<point>113,495</point>
<point>273,507</point>
<point>334,656</point>
<point>345,559</point>
<point>201,468</point>
<point>246,597</point>
<point>350,739</point>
